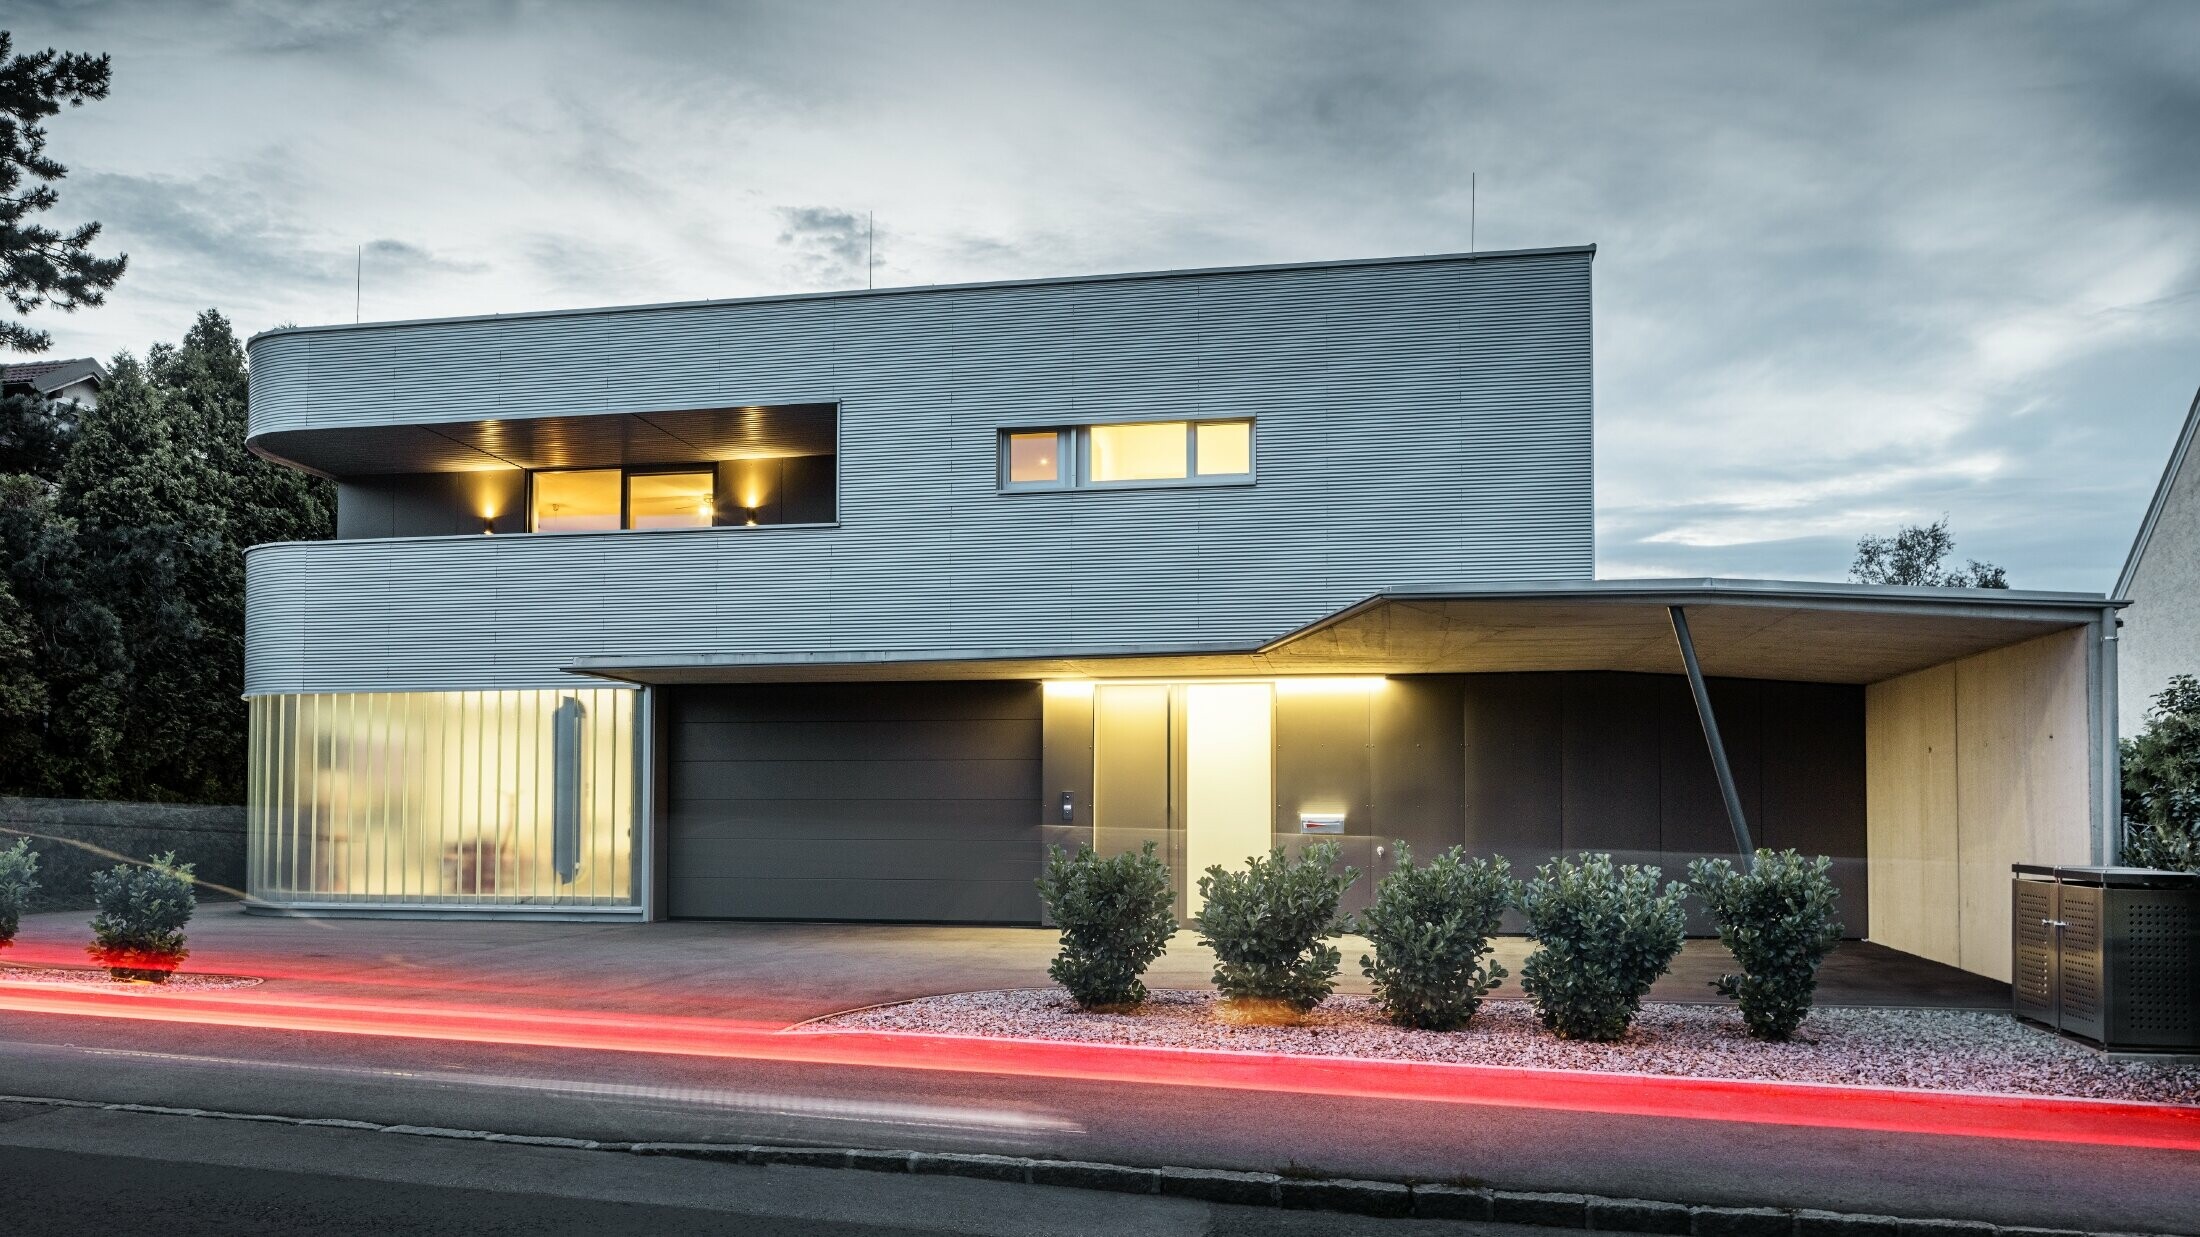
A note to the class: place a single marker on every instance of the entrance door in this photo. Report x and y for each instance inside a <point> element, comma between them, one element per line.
<point>1189,767</point>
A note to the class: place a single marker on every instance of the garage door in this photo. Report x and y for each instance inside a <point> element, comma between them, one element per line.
<point>893,802</point>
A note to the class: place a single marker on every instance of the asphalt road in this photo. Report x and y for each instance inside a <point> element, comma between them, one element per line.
<point>76,1171</point>
<point>637,1095</point>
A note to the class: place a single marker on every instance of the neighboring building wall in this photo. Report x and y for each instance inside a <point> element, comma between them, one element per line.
<point>1417,421</point>
<point>1971,767</point>
<point>2161,632</point>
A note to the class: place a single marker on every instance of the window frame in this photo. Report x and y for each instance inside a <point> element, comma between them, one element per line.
<point>1074,446</point>
<point>626,495</point>
<point>534,473</point>
<point>1066,454</point>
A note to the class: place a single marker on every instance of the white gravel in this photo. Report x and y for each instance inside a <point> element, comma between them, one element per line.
<point>92,977</point>
<point>1942,1050</point>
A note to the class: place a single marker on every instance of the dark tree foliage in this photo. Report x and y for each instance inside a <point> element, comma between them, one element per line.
<point>122,583</point>
<point>1915,555</point>
<point>2162,782</point>
<point>39,265</point>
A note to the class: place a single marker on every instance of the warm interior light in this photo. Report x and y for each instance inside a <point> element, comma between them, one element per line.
<point>751,520</point>
<point>1067,687</point>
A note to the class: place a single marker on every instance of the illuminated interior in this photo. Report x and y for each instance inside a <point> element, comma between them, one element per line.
<point>576,501</point>
<point>1224,448</point>
<point>443,798</point>
<point>1035,458</point>
<point>1228,778</point>
<point>1153,451</point>
<point>671,499</point>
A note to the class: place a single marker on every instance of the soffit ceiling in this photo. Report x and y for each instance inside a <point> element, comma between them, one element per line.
<point>606,441</point>
<point>1734,639</point>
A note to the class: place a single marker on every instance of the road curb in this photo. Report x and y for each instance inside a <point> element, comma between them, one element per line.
<point>1425,1200</point>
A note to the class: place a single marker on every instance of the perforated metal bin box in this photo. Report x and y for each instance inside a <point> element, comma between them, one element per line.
<point>2109,955</point>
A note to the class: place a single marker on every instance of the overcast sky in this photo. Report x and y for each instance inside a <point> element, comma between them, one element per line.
<point>1859,265</point>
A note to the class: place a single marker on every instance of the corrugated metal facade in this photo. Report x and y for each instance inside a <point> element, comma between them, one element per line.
<point>1416,420</point>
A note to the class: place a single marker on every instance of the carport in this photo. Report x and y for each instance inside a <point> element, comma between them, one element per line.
<point>1928,738</point>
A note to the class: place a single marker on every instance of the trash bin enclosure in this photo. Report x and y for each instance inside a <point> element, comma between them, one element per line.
<point>2109,955</point>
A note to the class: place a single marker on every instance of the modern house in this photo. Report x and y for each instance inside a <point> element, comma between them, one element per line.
<point>848,606</point>
<point>78,379</point>
<point>2161,584</point>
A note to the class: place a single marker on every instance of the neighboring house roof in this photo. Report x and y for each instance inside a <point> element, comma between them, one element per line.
<point>2161,498</point>
<point>47,377</point>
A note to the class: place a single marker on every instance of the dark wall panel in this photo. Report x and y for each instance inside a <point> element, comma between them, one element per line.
<point>442,504</point>
<point>909,801</point>
<point>1419,785</point>
<point>1617,762</point>
<point>1814,782</point>
<point>1321,758</point>
<point>1513,727</point>
<point>1612,763</point>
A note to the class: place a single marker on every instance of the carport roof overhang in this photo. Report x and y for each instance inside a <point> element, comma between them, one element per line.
<point>1753,629</point>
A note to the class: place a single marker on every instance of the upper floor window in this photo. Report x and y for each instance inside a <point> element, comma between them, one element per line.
<point>1134,453</point>
<point>671,499</point>
<point>597,499</point>
<point>576,501</point>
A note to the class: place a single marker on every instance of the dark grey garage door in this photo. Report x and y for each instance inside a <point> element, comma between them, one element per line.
<point>902,801</point>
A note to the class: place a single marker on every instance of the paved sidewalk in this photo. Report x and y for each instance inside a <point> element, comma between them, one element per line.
<point>776,974</point>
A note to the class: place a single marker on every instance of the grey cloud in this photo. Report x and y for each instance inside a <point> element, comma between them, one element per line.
<point>827,247</point>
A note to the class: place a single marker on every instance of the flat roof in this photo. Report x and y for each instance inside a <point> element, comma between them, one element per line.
<point>1753,629</point>
<point>1486,255</point>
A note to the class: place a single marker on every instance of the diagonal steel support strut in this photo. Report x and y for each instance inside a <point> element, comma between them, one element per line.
<point>1711,739</point>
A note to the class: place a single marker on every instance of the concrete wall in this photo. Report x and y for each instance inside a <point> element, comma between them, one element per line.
<point>1970,767</point>
<point>77,837</point>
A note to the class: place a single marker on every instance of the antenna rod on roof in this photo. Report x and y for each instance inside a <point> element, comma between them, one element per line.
<point>358,278</point>
<point>1471,188</point>
<point>870,248</point>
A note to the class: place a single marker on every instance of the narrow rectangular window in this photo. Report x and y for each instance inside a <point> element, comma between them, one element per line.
<point>671,499</point>
<point>1152,451</point>
<point>1224,448</point>
<point>1034,457</point>
<point>580,500</point>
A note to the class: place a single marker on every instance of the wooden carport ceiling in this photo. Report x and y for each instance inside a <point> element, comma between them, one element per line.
<point>1733,640</point>
<point>1742,629</point>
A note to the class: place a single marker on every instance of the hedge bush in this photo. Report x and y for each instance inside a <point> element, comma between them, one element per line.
<point>1431,927</point>
<point>18,881</point>
<point>138,932</point>
<point>1268,923</point>
<point>1116,916</point>
<point>1604,933</point>
<point>1778,921</point>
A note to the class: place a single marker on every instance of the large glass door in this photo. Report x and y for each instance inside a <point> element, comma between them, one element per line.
<point>1189,767</point>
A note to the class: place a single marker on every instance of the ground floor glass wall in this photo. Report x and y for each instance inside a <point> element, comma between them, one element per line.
<point>439,799</point>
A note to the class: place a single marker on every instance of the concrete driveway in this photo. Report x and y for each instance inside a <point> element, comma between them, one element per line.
<point>783,973</point>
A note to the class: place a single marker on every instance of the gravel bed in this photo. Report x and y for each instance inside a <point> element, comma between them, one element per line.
<point>91,977</point>
<point>1941,1050</point>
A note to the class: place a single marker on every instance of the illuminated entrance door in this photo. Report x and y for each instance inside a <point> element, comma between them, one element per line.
<point>1189,767</point>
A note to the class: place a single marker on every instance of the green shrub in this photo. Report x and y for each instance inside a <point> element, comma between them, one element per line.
<point>138,932</point>
<point>1431,927</point>
<point>1604,933</point>
<point>1268,924</point>
<point>18,881</point>
<point>1116,916</point>
<point>2162,782</point>
<point>1778,921</point>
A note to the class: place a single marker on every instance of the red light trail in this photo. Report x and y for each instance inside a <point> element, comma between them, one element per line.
<point>2030,1118</point>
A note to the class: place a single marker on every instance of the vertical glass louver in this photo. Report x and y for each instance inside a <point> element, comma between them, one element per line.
<point>439,799</point>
